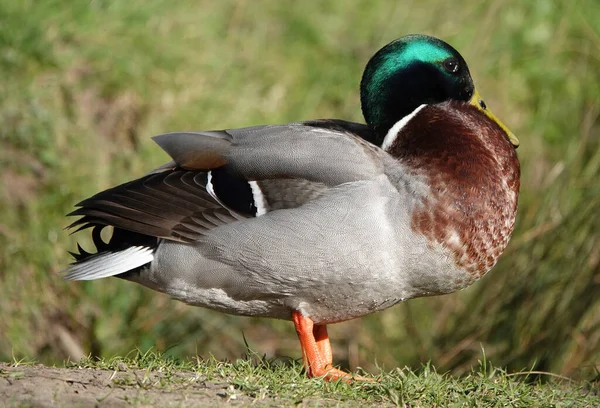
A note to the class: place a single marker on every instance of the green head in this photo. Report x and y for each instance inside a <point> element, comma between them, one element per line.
<point>408,72</point>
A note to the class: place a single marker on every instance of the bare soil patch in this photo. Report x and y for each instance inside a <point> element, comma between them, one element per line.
<point>40,386</point>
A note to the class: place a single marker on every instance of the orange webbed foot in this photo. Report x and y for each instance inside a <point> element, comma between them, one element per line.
<point>316,351</point>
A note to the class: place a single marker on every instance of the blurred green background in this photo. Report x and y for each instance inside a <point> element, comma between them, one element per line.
<point>84,84</point>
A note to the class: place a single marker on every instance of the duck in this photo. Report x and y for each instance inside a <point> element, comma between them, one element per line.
<point>322,221</point>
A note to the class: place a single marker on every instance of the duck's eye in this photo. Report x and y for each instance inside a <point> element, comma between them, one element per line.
<point>482,104</point>
<point>451,65</point>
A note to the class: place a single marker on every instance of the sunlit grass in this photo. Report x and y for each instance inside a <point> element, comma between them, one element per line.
<point>271,382</point>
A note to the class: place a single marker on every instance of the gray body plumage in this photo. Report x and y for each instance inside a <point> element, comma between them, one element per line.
<point>335,242</point>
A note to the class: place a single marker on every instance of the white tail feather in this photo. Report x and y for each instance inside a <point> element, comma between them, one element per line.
<point>110,263</point>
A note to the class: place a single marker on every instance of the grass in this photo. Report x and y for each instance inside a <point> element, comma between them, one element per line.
<point>87,84</point>
<point>268,383</point>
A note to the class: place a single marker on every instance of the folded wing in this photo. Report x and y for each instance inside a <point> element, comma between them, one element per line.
<point>218,177</point>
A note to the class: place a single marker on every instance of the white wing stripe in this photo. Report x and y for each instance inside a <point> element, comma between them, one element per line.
<point>259,199</point>
<point>110,264</point>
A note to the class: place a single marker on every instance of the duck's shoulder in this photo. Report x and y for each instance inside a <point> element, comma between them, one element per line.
<point>360,130</point>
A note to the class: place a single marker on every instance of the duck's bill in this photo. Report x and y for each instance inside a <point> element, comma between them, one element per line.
<point>477,101</point>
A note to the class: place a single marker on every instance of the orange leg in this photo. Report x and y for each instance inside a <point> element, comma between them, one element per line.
<point>323,345</point>
<point>316,350</point>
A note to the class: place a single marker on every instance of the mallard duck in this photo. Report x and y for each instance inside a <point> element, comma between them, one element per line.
<point>322,221</point>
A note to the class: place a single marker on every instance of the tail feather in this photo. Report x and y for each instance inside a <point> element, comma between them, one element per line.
<point>109,263</point>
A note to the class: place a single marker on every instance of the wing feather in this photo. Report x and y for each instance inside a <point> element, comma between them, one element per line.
<point>292,164</point>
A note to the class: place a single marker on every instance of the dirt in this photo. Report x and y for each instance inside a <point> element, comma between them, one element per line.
<point>40,386</point>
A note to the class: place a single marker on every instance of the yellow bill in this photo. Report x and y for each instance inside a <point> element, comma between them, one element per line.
<point>477,101</point>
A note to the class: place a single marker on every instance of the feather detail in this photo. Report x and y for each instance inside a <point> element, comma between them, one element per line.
<point>105,264</point>
<point>196,151</point>
<point>473,173</point>
<point>165,205</point>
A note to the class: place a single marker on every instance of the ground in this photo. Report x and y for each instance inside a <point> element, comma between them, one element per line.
<point>40,386</point>
<point>35,385</point>
<point>151,380</point>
